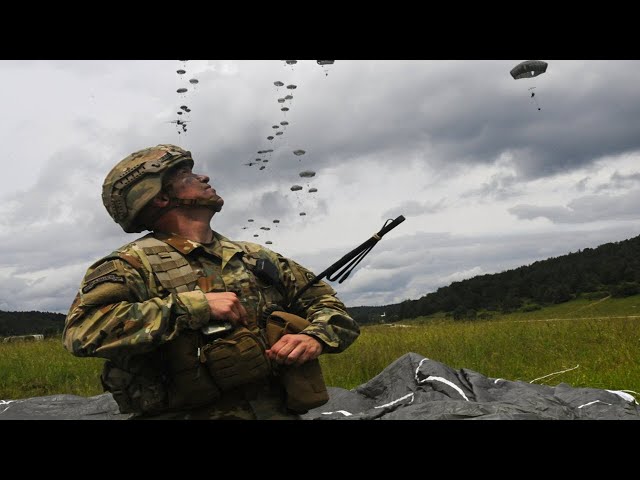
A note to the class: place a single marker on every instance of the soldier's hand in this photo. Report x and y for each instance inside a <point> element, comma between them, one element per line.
<point>227,306</point>
<point>294,349</point>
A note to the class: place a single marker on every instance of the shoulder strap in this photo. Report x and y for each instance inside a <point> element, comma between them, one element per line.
<point>172,270</point>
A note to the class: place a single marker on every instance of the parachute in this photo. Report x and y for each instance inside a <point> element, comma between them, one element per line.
<point>292,87</point>
<point>285,109</point>
<point>313,190</point>
<point>529,69</point>
<point>278,83</point>
<point>181,72</point>
<point>323,64</point>
<point>299,152</point>
<point>302,214</point>
<point>291,62</point>
<point>295,188</point>
<point>193,81</point>
<point>276,221</point>
<point>182,90</point>
<point>268,242</point>
<point>307,174</point>
<point>270,137</point>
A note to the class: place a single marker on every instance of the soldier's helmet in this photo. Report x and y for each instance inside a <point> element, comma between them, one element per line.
<point>136,179</point>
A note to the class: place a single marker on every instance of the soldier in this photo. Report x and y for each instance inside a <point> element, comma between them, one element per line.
<point>184,316</point>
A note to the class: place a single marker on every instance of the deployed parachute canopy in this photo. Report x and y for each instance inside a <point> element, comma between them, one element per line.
<point>278,83</point>
<point>181,90</point>
<point>299,152</point>
<point>323,64</point>
<point>181,72</point>
<point>295,188</point>
<point>529,69</point>
<point>313,190</point>
<point>307,174</point>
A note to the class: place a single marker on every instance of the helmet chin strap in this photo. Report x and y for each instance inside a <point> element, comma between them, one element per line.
<point>191,202</point>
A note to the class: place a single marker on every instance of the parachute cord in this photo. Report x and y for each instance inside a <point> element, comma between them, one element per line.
<point>554,373</point>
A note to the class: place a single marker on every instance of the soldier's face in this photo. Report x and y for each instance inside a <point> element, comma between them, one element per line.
<point>185,184</point>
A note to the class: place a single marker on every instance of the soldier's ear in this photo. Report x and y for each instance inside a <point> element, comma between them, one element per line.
<point>161,200</point>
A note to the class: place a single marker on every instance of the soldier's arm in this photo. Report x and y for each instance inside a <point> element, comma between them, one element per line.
<point>114,312</point>
<point>330,322</point>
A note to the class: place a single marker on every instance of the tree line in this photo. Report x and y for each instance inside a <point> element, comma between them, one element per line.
<point>612,269</point>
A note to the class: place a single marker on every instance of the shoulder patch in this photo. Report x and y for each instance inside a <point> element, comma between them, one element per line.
<point>102,270</point>
<point>112,277</point>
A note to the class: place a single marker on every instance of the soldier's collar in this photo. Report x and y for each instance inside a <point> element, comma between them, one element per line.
<point>221,247</point>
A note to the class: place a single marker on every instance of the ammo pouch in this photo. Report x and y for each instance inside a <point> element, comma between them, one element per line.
<point>236,359</point>
<point>133,393</point>
<point>173,380</point>
<point>304,383</point>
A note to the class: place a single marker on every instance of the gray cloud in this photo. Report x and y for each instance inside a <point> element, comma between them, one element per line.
<point>441,142</point>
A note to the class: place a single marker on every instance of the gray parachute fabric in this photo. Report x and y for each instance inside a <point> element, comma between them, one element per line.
<point>62,407</point>
<point>416,388</point>
<point>411,388</point>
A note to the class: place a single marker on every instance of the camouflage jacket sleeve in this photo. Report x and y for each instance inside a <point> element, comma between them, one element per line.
<point>330,322</point>
<point>117,311</point>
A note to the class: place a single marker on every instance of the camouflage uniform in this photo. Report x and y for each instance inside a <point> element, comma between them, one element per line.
<point>122,313</point>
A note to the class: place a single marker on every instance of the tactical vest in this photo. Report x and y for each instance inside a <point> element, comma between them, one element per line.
<point>174,377</point>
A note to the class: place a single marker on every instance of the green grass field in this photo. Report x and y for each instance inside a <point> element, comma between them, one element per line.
<point>601,338</point>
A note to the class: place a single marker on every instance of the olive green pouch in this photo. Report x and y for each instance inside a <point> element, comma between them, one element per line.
<point>237,359</point>
<point>304,383</point>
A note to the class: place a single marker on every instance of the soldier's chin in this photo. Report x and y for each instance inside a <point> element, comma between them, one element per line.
<point>218,205</point>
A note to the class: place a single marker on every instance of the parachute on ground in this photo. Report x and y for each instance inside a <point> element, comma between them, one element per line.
<point>307,174</point>
<point>295,188</point>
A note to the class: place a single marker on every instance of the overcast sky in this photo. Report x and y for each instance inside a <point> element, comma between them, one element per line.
<point>486,181</point>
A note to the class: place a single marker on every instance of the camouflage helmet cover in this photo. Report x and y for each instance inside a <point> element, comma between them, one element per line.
<point>136,179</point>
